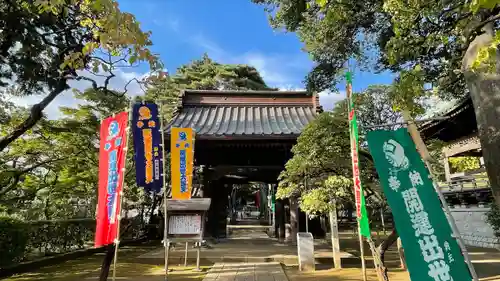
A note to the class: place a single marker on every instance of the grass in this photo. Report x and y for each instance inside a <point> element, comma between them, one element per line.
<point>128,268</point>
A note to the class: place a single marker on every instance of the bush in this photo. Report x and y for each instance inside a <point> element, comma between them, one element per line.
<point>14,239</point>
<point>21,240</point>
<point>493,218</point>
<point>53,237</point>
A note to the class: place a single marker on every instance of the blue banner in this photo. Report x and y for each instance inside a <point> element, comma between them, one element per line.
<point>147,146</point>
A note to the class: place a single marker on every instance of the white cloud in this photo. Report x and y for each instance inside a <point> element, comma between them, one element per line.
<point>290,88</point>
<point>275,69</point>
<point>328,99</point>
<point>270,68</point>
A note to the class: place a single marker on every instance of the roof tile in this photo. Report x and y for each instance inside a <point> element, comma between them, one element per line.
<point>231,120</point>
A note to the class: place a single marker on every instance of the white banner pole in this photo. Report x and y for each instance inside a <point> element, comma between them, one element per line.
<point>166,245</point>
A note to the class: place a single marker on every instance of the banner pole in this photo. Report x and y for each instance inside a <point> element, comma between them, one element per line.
<point>353,144</point>
<point>353,134</point>
<point>122,193</point>
<point>166,245</point>
<point>424,152</point>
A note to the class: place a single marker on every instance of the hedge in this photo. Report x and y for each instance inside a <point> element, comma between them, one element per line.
<point>22,241</point>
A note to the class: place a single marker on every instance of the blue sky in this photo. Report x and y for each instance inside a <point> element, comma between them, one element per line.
<point>230,31</point>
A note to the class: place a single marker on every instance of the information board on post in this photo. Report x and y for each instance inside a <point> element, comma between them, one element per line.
<point>182,155</point>
<point>432,254</point>
<point>184,224</point>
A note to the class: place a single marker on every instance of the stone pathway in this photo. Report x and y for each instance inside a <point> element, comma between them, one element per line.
<point>246,272</point>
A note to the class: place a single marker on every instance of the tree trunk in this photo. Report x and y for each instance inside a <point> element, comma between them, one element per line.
<point>36,113</point>
<point>106,263</point>
<point>334,233</point>
<point>280,220</point>
<point>294,219</point>
<point>384,246</point>
<point>484,90</point>
<point>387,243</point>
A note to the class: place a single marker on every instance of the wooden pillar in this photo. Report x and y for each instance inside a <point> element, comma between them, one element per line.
<point>280,220</point>
<point>446,165</point>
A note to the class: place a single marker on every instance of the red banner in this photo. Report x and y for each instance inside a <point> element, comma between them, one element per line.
<point>112,157</point>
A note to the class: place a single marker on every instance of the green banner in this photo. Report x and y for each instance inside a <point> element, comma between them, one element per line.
<point>361,213</point>
<point>431,252</point>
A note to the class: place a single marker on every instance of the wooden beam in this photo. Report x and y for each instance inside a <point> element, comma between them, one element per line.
<point>462,145</point>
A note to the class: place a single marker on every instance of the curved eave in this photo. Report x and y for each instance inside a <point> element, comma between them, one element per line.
<point>244,121</point>
<point>460,122</point>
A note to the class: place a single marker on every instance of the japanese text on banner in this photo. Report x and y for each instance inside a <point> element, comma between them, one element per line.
<point>112,156</point>
<point>432,253</point>
<point>147,146</point>
<point>182,154</point>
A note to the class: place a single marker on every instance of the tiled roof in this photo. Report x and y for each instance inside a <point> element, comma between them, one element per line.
<point>244,120</point>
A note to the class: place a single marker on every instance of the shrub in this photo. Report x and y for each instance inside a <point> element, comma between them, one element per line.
<point>493,218</point>
<point>14,239</point>
<point>21,240</point>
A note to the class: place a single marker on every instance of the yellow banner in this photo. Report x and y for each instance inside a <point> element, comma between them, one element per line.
<point>181,162</point>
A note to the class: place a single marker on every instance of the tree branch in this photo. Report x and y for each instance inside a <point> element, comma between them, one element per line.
<point>36,114</point>
<point>480,25</point>
<point>18,174</point>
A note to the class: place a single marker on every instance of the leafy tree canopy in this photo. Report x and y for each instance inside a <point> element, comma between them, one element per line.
<point>203,74</point>
<point>464,163</point>
<point>46,44</point>
<point>321,164</point>
<point>424,41</point>
<point>52,171</point>
<point>445,48</point>
<point>206,74</point>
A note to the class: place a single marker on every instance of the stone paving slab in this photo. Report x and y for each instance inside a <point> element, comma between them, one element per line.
<point>246,272</point>
<point>247,247</point>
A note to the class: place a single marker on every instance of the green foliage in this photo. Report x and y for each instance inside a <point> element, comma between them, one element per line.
<point>493,218</point>
<point>319,200</point>
<point>423,40</point>
<point>41,38</point>
<point>332,33</point>
<point>13,240</point>
<point>435,148</point>
<point>206,74</point>
<point>52,171</point>
<point>374,107</point>
<point>321,165</point>
<point>464,163</point>
<point>45,45</point>
<point>21,240</point>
